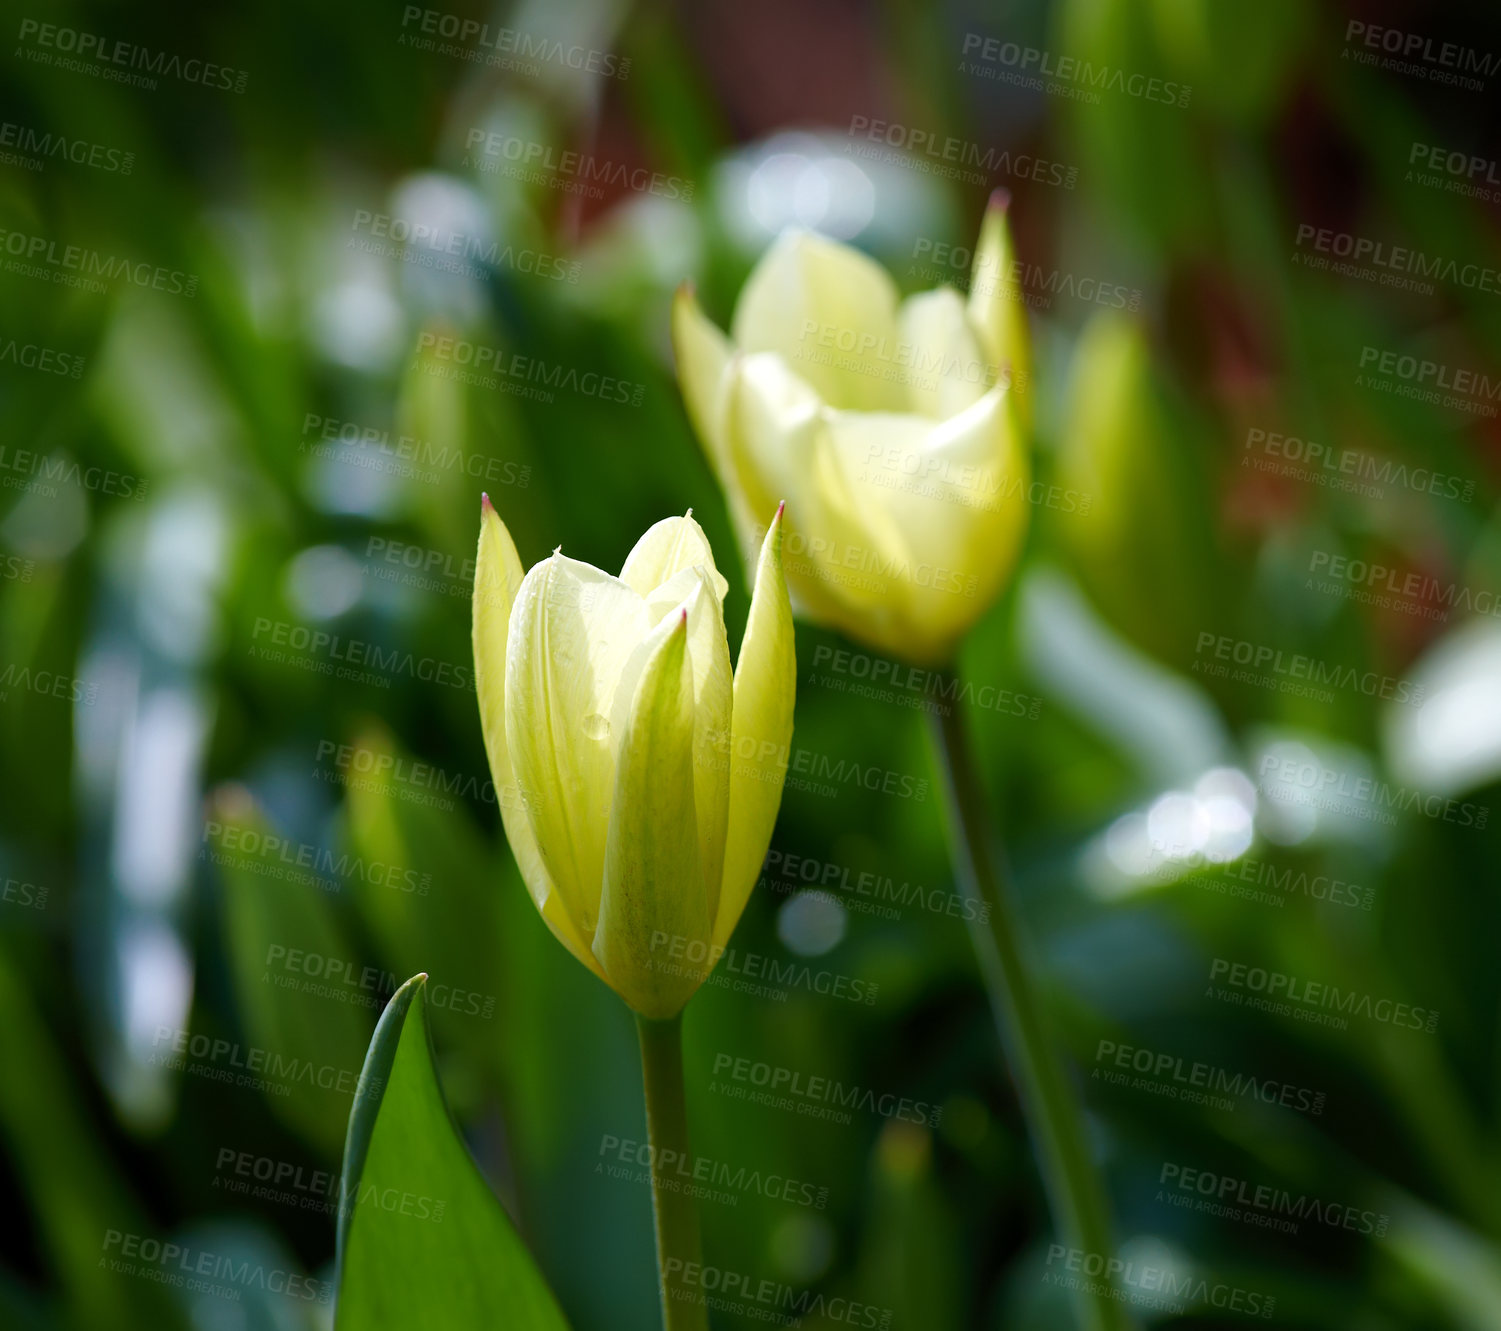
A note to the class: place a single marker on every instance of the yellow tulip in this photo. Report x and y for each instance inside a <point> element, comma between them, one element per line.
<point>639,781</point>
<point>889,425</point>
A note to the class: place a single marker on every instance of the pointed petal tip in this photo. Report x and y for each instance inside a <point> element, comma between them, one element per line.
<point>1000,199</point>
<point>781,509</point>
<point>485,506</point>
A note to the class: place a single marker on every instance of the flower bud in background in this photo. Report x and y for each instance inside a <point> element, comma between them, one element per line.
<point>889,424</point>
<point>1145,554</point>
<point>638,779</point>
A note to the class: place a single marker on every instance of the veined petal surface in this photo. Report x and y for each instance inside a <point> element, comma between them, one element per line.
<point>573,629</point>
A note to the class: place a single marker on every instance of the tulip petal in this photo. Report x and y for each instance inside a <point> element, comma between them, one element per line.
<point>997,306</point>
<point>709,657</point>
<point>667,548</point>
<point>779,440</point>
<point>949,372</point>
<point>702,354</point>
<point>497,579</point>
<point>902,528</point>
<point>761,732</point>
<point>653,914</point>
<point>956,494</point>
<point>573,628</point>
<point>830,312</point>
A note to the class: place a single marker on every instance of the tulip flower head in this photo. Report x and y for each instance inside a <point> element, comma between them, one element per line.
<point>639,779</point>
<point>889,424</point>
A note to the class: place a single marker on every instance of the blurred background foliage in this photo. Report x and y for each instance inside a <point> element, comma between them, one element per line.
<point>154,724</point>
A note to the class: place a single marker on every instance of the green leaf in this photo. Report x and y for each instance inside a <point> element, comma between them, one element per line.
<point>66,1190</point>
<point>290,959</point>
<point>452,927</point>
<point>423,1242</point>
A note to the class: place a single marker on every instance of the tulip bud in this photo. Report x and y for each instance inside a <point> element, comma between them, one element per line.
<point>889,424</point>
<point>638,779</point>
<point>1145,553</point>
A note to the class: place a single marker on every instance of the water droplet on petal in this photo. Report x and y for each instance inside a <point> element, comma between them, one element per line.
<point>597,727</point>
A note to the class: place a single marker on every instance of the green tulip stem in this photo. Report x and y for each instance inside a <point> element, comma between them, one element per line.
<point>1049,1104</point>
<point>673,1206</point>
